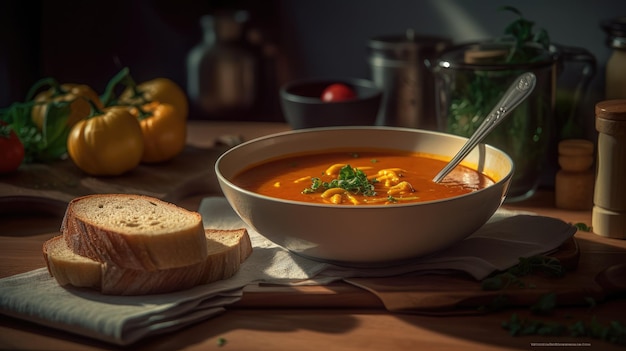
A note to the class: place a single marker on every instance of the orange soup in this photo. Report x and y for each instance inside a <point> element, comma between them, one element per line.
<point>359,178</point>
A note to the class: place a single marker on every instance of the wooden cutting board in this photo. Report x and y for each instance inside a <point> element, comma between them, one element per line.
<point>50,186</point>
<point>461,294</point>
<point>453,294</point>
<point>432,294</point>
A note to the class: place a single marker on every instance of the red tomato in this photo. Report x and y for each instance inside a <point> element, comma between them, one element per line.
<point>338,92</point>
<point>11,149</point>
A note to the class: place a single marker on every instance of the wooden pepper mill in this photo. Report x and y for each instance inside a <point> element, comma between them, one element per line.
<point>574,181</point>
<point>609,210</point>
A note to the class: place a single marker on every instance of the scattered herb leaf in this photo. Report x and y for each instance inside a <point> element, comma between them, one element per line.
<point>591,301</point>
<point>614,332</point>
<point>545,305</point>
<point>582,227</point>
<point>498,303</point>
<point>546,265</point>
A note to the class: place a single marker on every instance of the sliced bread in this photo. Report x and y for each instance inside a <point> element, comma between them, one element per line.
<point>134,231</point>
<point>227,249</point>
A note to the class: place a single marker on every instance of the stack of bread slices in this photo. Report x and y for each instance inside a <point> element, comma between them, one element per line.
<point>126,244</point>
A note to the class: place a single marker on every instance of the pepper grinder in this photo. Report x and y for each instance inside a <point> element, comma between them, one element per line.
<point>609,210</point>
<point>574,181</point>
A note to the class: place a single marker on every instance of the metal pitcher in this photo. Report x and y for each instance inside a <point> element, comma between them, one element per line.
<point>397,65</point>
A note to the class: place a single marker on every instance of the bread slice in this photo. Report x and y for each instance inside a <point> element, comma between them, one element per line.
<point>227,249</point>
<point>69,268</point>
<point>134,231</point>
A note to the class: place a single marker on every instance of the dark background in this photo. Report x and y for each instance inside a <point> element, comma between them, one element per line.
<point>89,41</point>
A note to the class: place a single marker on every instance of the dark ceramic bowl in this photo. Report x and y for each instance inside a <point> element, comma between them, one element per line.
<point>303,107</point>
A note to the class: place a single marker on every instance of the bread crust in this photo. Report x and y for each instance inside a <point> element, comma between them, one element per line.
<point>87,236</point>
<point>228,249</point>
<point>68,268</point>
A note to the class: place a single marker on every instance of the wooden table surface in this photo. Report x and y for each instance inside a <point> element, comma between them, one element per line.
<point>337,317</point>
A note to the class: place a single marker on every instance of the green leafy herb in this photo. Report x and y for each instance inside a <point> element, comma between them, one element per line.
<point>522,33</point>
<point>542,264</point>
<point>47,144</point>
<point>538,264</point>
<point>591,301</point>
<point>582,227</point>
<point>221,342</point>
<point>498,303</point>
<point>546,265</point>
<point>545,305</point>
<point>350,179</point>
<point>518,326</point>
<point>613,332</point>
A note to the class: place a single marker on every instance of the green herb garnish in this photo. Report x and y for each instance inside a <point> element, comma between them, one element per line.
<point>350,179</point>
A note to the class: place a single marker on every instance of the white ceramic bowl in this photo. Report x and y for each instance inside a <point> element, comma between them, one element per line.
<point>363,234</point>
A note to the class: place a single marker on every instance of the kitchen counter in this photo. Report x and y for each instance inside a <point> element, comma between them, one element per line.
<point>338,316</point>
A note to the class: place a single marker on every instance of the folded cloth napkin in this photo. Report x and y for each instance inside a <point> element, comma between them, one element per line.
<point>123,320</point>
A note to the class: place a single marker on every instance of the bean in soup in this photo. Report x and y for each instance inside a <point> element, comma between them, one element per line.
<point>366,177</point>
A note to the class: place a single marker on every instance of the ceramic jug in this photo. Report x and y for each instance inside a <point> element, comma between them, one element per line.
<point>471,78</point>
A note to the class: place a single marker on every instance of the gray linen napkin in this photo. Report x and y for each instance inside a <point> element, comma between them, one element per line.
<point>123,320</point>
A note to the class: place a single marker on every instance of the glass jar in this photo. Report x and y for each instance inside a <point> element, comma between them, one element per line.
<point>471,78</point>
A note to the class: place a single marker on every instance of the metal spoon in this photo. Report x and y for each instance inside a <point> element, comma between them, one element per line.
<point>517,92</point>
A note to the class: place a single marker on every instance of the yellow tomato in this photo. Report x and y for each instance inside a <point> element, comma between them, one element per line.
<point>164,131</point>
<point>160,89</point>
<point>109,143</point>
<point>76,94</point>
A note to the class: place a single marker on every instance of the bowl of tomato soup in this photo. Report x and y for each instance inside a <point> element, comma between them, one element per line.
<point>362,194</point>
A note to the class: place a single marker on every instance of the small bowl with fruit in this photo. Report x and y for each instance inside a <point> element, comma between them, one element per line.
<point>330,102</point>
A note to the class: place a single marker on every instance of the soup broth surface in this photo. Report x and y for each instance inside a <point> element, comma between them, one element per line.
<point>333,177</point>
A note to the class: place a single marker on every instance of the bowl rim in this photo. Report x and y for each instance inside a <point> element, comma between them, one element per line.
<point>221,178</point>
<point>374,93</point>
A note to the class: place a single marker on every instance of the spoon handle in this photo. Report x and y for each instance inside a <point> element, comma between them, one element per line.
<point>517,92</point>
